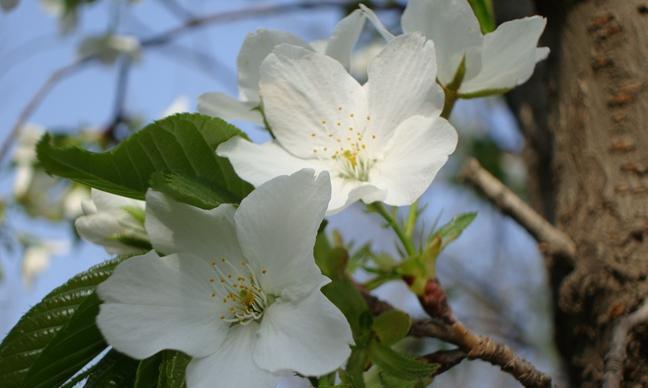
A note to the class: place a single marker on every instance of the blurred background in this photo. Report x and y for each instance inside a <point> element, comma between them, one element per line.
<point>154,61</point>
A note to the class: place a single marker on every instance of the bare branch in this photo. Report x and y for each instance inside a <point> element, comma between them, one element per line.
<point>617,354</point>
<point>552,240</point>
<point>473,345</point>
<point>35,101</point>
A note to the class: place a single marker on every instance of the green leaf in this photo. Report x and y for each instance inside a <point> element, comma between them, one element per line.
<point>58,336</point>
<point>115,370</point>
<point>389,381</point>
<point>343,293</point>
<point>484,11</point>
<point>183,144</point>
<point>391,326</point>
<point>187,190</point>
<point>453,229</point>
<point>148,371</point>
<point>172,369</point>
<point>399,365</point>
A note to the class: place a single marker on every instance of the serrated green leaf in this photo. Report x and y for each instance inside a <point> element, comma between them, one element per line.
<point>172,369</point>
<point>58,336</point>
<point>187,190</point>
<point>183,144</point>
<point>453,229</point>
<point>399,365</point>
<point>484,11</point>
<point>391,326</point>
<point>114,370</point>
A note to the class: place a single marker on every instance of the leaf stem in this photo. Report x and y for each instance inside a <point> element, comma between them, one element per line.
<point>393,223</point>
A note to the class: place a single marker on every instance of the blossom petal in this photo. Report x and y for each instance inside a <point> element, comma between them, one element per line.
<point>346,34</point>
<point>106,201</point>
<point>105,228</point>
<point>177,227</point>
<point>153,303</point>
<point>419,148</point>
<point>377,23</point>
<point>258,163</point>
<point>345,192</point>
<point>402,83</point>
<point>255,48</point>
<point>311,337</point>
<point>228,108</point>
<point>508,56</point>
<point>277,224</point>
<point>231,365</point>
<point>307,97</point>
<point>451,24</point>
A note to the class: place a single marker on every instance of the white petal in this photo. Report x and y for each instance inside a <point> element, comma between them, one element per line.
<point>177,227</point>
<point>258,163</point>
<point>106,201</point>
<point>231,365</point>
<point>345,192</point>
<point>254,50</point>
<point>229,108</point>
<point>311,337</point>
<point>306,94</point>
<point>451,24</point>
<point>153,303</point>
<point>420,147</point>
<point>106,227</point>
<point>402,83</point>
<point>346,34</point>
<point>509,55</point>
<point>277,224</point>
<point>377,23</point>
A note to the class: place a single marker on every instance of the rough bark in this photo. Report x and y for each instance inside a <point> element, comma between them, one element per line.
<point>598,178</point>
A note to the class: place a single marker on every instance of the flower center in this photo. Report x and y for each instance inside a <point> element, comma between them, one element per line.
<point>345,141</point>
<point>239,290</point>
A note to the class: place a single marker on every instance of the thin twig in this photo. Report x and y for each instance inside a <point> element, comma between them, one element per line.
<point>38,97</point>
<point>617,354</point>
<point>475,346</point>
<point>553,240</point>
<point>160,39</point>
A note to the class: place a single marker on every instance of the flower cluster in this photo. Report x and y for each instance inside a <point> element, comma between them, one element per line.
<point>237,288</point>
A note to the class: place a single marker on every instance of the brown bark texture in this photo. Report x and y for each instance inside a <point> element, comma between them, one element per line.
<point>595,173</point>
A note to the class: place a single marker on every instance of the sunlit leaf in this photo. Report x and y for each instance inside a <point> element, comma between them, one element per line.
<point>183,144</point>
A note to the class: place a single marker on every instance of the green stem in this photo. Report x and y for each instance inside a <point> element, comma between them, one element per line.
<point>391,221</point>
<point>451,98</point>
<point>411,220</point>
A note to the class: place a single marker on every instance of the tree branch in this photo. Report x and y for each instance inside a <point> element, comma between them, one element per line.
<point>617,353</point>
<point>552,240</point>
<point>160,39</point>
<point>473,345</point>
<point>38,97</point>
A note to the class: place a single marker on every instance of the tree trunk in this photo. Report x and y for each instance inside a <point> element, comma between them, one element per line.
<point>598,177</point>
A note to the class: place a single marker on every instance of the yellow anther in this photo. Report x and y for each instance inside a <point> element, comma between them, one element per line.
<point>351,157</point>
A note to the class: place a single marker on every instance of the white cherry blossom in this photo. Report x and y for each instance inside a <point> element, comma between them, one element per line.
<point>238,289</point>
<point>115,222</point>
<point>383,141</point>
<point>494,63</point>
<point>256,47</point>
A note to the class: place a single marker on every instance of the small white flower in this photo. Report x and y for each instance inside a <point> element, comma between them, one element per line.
<point>239,290</point>
<point>109,47</point>
<point>37,257</point>
<point>256,47</point>
<point>494,63</point>
<point>381,141</point>
<point>115,222</point>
